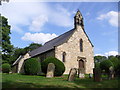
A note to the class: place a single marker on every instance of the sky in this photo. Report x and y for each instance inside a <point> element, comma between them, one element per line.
<point>39,22</point>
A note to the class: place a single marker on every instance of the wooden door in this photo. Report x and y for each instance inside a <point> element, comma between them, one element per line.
<point>81,63</point>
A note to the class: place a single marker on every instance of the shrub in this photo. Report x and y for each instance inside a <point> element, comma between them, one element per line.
<point>32,66</point>
<point>6,68</point>
<point>59,66</point>
<point>105,65</point>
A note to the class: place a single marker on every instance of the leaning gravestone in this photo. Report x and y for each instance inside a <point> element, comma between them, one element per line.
<point>81,73</point>
<point>50,70</point>
<point>72,74</point>
<point>97,74</point>
<point>111,73</point>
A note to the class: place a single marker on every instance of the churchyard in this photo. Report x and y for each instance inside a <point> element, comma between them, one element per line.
<point>52,76</point>
<point>29,81</point>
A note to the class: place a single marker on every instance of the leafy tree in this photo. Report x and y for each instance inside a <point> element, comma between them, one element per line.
<point>105,65</point>
<point>111,57</point>
<point>100,58</point>
<point>23,51</point>
<point>116,62</point>
<point>6,47</point>
<point>32,46</point>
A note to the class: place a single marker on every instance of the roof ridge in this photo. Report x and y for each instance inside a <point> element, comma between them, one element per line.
<point>51,43</point>
<point>58,36</point>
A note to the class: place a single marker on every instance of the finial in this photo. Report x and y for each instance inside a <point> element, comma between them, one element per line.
<point>78,19</point>
<point>78,10</point>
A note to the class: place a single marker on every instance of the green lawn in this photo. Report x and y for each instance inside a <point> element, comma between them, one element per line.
<point>26,81</point>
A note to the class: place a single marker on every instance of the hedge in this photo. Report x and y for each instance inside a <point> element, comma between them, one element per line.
<point>6,68</point>
<point>32,66</point>
<point>59,66</point>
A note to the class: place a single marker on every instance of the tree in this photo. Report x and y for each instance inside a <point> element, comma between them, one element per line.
<point>111,57</point>
<point>100,58</point>
<point>116,62</point>
<point>105,65</point>
<point>32,46</point>
<point>23,51</point>
<point>6,47</point>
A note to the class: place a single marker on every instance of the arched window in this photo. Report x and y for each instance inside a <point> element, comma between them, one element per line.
<point>81,45</point>
<point>63,56</point>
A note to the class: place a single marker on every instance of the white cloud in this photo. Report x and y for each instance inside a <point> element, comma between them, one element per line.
<point>111,17</point>
<point>114,53</point>
<point>60,16</point>
<point>38,37</point>
<point>38,23</point>
<point>98,55</point>
<point>35,15</point>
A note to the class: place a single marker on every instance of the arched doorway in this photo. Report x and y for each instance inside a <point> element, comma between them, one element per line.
<point>81,63</point>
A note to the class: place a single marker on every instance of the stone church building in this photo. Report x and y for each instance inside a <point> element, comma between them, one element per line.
<point>73,48</point>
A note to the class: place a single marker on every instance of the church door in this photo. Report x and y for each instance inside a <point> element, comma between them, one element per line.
<point>81,63</point>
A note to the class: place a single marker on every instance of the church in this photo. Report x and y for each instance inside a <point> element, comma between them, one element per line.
<point>73,48</point>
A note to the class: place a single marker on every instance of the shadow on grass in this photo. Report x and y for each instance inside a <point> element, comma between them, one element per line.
<point>27,82</point>
<point>89,83</point>
<point>11,84</point>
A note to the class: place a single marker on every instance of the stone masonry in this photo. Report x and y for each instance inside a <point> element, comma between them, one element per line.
<point>20,64</point>
<point>72,49</point>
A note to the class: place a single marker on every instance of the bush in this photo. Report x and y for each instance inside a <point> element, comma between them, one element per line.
<point>59,66</point>
<point>32,66</point>
<point>105,65</point>
<point>6,68</point>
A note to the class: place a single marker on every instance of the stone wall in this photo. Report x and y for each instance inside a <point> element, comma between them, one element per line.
<point>21,62</point>
<point>72,49</point>
<point>43,56</point>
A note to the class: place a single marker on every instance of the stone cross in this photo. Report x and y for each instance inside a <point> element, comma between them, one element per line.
<point>50,70</point>
<point>72,74</point>
<point>81,73</point>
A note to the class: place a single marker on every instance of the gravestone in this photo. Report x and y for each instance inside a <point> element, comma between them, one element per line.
<point>81,73</point>
<point>72,74</point>
<point>111,73</point>
<point>97,74</point>
<point>50,70</point>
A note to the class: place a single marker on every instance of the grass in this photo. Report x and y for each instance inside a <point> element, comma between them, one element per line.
<point>26,81</point>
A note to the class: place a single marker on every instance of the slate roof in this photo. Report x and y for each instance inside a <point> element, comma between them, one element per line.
<point>52,43</point>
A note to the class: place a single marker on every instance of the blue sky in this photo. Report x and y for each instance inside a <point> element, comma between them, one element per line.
<point>39,22</point>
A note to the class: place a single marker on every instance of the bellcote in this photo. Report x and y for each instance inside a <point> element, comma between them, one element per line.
<point>78,20</point>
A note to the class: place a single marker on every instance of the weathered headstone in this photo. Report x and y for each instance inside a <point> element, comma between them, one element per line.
<point>97,74</point>
<point>111,73</point>
<point>81,73</point>
<point>50,70</point>
<point>72,74</point>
